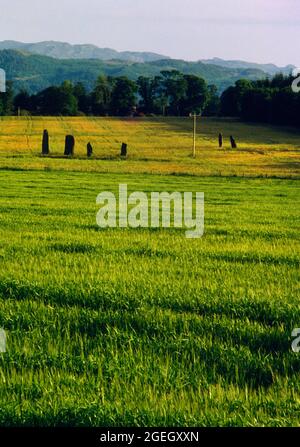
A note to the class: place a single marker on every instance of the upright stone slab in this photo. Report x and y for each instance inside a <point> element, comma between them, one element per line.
<point>233,142</point>
<point>45,143</point>
<point>124,150</point>
<point>69,145</point>
<point>220,140</point>
<point>89,150</point>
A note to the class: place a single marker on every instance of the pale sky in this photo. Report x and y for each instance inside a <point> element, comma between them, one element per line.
<point>254,30</point>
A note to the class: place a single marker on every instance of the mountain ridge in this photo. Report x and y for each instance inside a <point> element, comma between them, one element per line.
<point>64,50</point>
<point>270,69</point>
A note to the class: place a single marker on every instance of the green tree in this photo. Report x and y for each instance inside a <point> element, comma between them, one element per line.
<point>101,96</point>
<point>213,105</point>
<point>123,99</point>
<point>175,87</point>
<point>80,93</point>
<point>232,98</point>
<point>285,106</point>
<point>146,90</point>
<point>56,101</point>
<point>256,105</point>
<point>22,101</point>
<point>196,95</point>
<point>160,98</point>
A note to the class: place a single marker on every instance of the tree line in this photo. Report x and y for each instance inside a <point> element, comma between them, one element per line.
<point>170,94</point>
<point>269,101</point>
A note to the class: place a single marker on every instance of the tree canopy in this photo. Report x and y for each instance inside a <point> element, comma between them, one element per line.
<point>171,93</point>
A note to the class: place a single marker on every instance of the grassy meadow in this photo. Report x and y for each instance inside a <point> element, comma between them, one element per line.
<point>155,145</point>
<point>144,327</point>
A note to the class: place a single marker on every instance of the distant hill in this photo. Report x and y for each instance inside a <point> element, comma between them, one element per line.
<point>34,72</point>
<point>62,50</point>
<point>270,69</point>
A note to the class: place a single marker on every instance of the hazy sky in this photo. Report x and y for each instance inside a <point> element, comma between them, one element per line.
<point>254,30</point>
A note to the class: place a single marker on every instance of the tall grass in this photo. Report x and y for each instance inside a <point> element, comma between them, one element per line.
<point>145,327</point>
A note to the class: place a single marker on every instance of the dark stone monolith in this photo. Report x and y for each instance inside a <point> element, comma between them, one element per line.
<point>89,150</point>
<point>220,140</point>
<point>124,150</point>
<point>233,142</point>
<point>45,143</point>
<point>69,145</point>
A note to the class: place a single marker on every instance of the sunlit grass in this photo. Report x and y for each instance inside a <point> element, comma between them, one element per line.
<point>156,145</point>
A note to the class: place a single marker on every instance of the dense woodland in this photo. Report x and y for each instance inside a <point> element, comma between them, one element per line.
<point>170,94</point>
<point>269,101</point>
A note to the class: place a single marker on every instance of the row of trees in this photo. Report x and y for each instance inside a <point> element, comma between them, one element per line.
<point>171,93</point>
<point>270,100</point>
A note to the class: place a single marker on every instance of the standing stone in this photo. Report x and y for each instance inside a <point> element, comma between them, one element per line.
<point>89,150</point>
<point>220,140</point>
<point>45,143</point>
<point>69,145</point>
<point>233,143</point>
<point>124,150</point>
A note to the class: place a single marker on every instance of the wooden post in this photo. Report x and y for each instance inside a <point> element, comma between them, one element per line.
<point>195,130</point>
<point>45,143</point>
<point>69,145</point>
<point>194,116</point>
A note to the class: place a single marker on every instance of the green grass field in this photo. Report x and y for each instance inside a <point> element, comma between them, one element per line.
<point>144,327</point>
